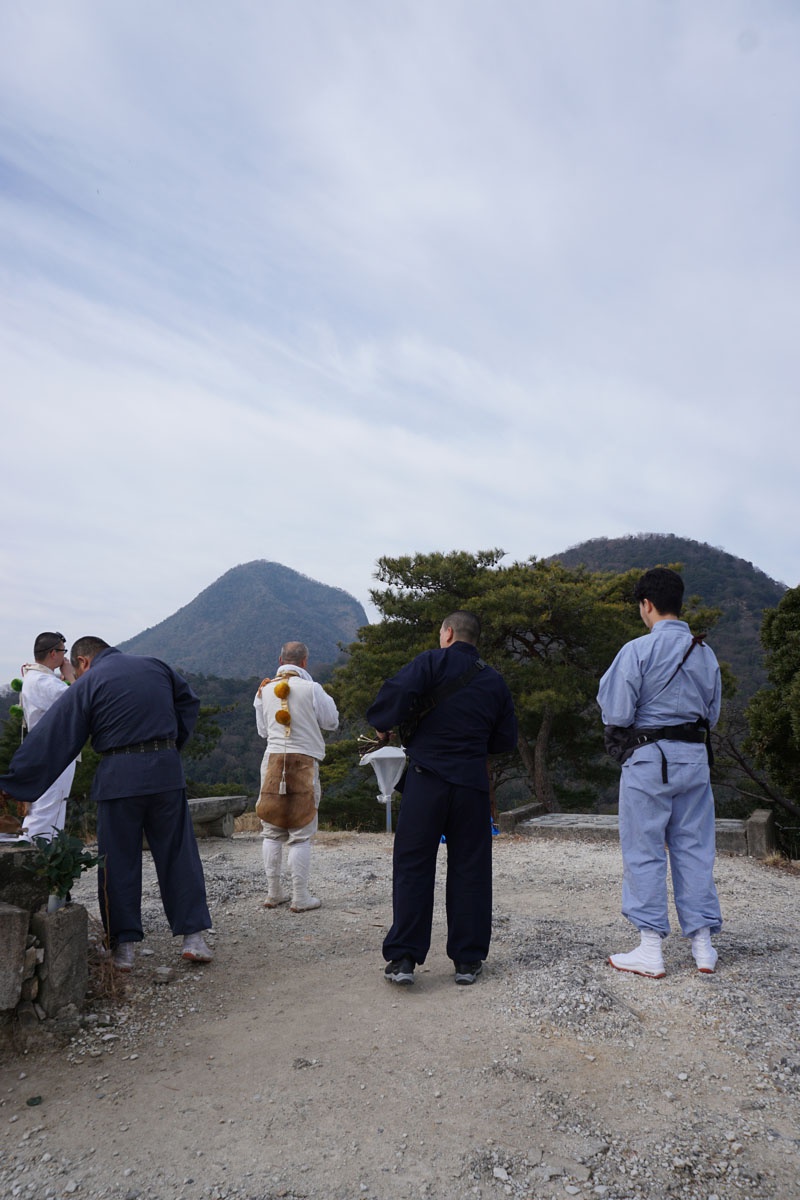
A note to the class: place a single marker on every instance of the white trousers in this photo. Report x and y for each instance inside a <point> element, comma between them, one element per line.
<point>48,814</point>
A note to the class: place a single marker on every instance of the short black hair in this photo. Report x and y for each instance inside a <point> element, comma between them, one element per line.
<point>86,647</point>
<point>663,588</point>
<point>465,625</point>
<point>46,642</point>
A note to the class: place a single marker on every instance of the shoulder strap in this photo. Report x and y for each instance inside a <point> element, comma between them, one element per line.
<point>447,689</point>
<point>426,704</point>
<point>699,640</point>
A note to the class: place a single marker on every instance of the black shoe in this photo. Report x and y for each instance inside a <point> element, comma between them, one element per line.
<point>400,971</point>
<point>468,972</point>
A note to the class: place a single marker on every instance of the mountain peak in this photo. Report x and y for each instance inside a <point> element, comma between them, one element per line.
<point>235,627</point>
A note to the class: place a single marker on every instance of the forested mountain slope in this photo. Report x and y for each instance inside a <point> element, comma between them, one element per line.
<point>732,584</point>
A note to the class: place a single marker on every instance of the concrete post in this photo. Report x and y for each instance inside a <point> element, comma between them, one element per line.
<point>13,938</point>
<point>761,833</point>
<point>64,972</point>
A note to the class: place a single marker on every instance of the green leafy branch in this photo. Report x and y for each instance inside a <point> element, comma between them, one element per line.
<point>61,861</point>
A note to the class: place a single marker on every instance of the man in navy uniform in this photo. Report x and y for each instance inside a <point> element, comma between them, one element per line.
<point>138,712</point>
<point>446,792</point>
<point>664,688</point>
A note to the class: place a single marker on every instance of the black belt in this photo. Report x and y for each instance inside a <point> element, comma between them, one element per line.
<point>142,747</point>
<point>690,731</point>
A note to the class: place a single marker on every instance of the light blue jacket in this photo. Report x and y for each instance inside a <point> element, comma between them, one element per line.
<point>635,688</point>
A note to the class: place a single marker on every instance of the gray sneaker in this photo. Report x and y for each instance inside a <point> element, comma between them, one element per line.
<point>468,972</point>
<point>195,949</point>
<point>401,970</point>
<point>122,957</point>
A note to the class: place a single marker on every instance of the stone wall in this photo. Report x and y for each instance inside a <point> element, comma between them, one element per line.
<point>43,956</point>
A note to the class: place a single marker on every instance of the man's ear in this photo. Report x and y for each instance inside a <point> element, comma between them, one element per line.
<point>648,612</point>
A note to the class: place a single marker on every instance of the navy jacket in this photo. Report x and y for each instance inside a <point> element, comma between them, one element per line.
<point>121,700</point>
<point>455,738</point>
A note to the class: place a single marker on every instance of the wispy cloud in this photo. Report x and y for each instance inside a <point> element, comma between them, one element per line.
<point>320,283</point>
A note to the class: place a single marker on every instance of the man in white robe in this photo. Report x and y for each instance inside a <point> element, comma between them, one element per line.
<point>291,713</point>
<point>44,682</point>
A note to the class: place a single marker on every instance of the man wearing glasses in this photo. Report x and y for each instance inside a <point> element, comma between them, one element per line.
<point>44,681</point>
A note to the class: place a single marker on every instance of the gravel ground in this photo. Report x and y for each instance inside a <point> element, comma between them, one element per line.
<point>289,1067</point>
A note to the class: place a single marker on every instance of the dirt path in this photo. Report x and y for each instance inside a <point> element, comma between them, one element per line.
<point>290,1068</point>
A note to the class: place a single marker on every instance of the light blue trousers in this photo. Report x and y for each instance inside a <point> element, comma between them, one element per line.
<point>656,818</point>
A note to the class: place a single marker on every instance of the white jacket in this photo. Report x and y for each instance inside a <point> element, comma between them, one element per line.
<point>310,708</point>
<point>41,687</point>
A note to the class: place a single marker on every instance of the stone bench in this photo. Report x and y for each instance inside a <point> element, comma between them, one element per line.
<point>214,816</point>
<point>754,837</point>
<point>512,817</point>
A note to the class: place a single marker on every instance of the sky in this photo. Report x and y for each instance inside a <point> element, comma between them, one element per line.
<point>320,281</point>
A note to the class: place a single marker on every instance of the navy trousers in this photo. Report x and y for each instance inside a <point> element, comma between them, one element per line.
<point>164,819</point>
<point>431,807</point>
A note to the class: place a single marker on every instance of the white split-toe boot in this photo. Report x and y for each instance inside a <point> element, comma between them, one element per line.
<point>646,959</point>
<point>299,857</point>
<point>272,853</point>
<point>703,952</point>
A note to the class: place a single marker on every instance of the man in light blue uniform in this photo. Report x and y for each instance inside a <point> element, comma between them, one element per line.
<point>662,692</point>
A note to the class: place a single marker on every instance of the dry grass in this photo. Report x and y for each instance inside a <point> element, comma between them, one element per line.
<point>107,985</point>
<point>335,837</point>
<point>247,823</point>
<point>780,862</point>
